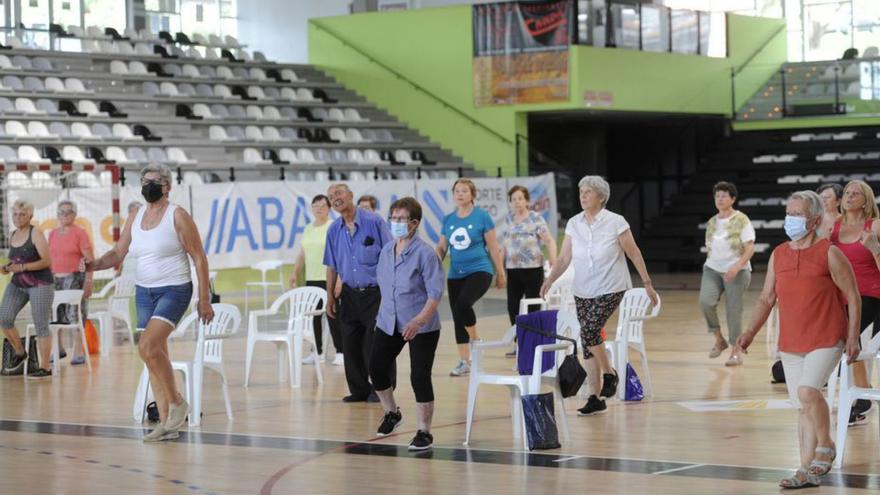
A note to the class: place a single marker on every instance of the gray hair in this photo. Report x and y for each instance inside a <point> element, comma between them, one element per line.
<point>22,205</point>
<point>158,168</point>
<point>69,203</point>
<point>813,201</point>
<point>598,184</point>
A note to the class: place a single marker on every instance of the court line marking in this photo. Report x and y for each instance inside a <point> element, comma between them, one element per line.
<point>675,470</point>
<point>569,458</point>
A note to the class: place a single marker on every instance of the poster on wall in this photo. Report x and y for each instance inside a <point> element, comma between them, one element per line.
<point>520,52</point>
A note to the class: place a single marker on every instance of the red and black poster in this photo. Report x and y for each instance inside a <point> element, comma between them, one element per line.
<point>521,51</point>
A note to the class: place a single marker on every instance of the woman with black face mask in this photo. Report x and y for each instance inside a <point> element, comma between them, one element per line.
<point>161,235</point>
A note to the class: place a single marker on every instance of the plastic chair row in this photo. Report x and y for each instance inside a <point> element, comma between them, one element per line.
<point>136,67</point>
<point>45,106</point>
<point>77,130</point>
<point>74,154</point>
<point>219,90</point>
<point>42,180</point>
<point>39,85</point>
<point>270,112</point>
<point>305,156</point>
<point>22,62</point>
<point>271,133</point>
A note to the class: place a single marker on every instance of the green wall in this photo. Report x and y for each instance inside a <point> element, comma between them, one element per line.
<point>417,65</point>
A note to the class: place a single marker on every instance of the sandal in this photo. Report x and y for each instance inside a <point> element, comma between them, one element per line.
<point>821,468</point>
<point>801,479</point>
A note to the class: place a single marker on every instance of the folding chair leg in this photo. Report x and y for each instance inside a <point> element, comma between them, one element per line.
<point>473,385</point>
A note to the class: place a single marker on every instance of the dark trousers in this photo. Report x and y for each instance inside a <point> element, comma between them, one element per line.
<point>522,282</point>
<point>422,348</point>
<point>335,333</point>
<point>463,294</point>
<point>357,318</point>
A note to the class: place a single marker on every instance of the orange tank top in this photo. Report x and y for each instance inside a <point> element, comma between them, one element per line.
<point>811,314</point>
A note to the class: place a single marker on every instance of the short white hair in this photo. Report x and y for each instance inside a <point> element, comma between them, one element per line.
<point>812,200</point>
<point>160,169</point>
<point>598,184</point>
<point>69,203</point>
<point>23,205</point>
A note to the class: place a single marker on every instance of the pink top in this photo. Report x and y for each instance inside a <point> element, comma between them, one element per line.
<point>67,249</point>
<point>863,264</point>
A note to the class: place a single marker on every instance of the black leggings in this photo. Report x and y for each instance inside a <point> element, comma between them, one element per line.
<point>422,348</point>
<point>463,293</point>
<point>870,314</point>
<point>522,282</point>
<point>335,333</point>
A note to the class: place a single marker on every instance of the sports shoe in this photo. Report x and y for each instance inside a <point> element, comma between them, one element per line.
<point>593,406</point>
<point>862,406</point>
<point>390,422</point>
<point>734,360</point>
<point>609,384</point>
<point>38,373</point>
<point>176,416</point>
<point>856,418</point>
<point>79,360</point>
<point>463,368</point>
<point>338,360</point>
<point>17,361</point>
<point>160,433</point>
<point>718,348</point>
<point>422,441</point>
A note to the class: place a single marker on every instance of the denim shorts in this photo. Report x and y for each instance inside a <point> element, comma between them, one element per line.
<point>167,303</point>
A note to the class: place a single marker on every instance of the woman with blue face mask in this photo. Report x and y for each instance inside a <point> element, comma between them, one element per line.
<point>410,280</point>
<point>806,277</point>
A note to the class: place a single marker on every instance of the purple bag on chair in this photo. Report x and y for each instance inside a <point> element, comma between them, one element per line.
<point>634,390</point>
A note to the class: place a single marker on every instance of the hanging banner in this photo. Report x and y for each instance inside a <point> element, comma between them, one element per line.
<point>520,52</point>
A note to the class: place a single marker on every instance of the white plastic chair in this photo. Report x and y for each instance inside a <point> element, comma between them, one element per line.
<point>519,385</point>
<point>631,319</point>
<point>264,267</point>
<point>868,347</point>
<point>302,308</point>
<point>73,298</point>
<point>208,355</point>
<point>848,392</point>
<point>117,310</point>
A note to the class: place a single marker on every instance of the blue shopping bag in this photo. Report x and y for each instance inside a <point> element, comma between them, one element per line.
<point>634,391</point>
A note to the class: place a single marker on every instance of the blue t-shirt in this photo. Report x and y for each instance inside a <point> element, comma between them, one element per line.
<point>467,243</point>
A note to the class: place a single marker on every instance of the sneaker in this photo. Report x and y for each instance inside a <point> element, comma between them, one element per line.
<point>353,398</point>
<point>463,368</point>
<point>39,373</point>
<point>338,360</point>
<point>390,423</point>
<point>160,433</point>
<point>422,441</point>
<point>609,384</point>
<point>17,361</point>
<point>862,406</point>
<point>77,361</point>
<point>176,416</point>
<point>593,406</point>
<point>718,348</point>
<point>734,360</point>
<point>856,419</point>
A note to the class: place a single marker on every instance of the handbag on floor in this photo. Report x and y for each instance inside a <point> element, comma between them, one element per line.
<point>9,354</point>
<point>540,421</point>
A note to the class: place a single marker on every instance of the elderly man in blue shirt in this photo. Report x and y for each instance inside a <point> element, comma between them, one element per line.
<point>354,241</point>
<point>411,282</point>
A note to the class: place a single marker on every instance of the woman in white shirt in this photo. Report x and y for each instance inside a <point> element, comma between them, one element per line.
<point>164,237</point>
<point>597,240</point>
<point>730,243</point>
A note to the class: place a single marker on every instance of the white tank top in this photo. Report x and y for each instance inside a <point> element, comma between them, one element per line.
<point>161,259</point>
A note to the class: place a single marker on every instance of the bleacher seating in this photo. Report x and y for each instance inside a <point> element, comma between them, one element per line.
<point>196,102</point>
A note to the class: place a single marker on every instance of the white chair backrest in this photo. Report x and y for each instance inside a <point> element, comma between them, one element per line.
<point>226,322</point>
<point>86,179</point>
<point>633,312</point>
<point>301,300</point>
<point>37,128</point>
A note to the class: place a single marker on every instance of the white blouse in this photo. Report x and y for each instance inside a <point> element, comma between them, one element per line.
<point>598,259</point>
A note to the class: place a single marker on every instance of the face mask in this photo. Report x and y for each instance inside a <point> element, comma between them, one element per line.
<point>152,192</point>
<point>399,230</point>
<point>795,227</point>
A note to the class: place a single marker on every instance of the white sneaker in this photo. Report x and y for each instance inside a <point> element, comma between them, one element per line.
<point>338,360</point>
<point>463,368</point>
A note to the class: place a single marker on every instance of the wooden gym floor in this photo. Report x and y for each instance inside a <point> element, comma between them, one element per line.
<point>73,434</point>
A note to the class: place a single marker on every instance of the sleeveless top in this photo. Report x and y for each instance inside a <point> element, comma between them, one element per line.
<point>161,259</point>
<point>27,253</point>
<point>811,311</point>
<point>863,264</point>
